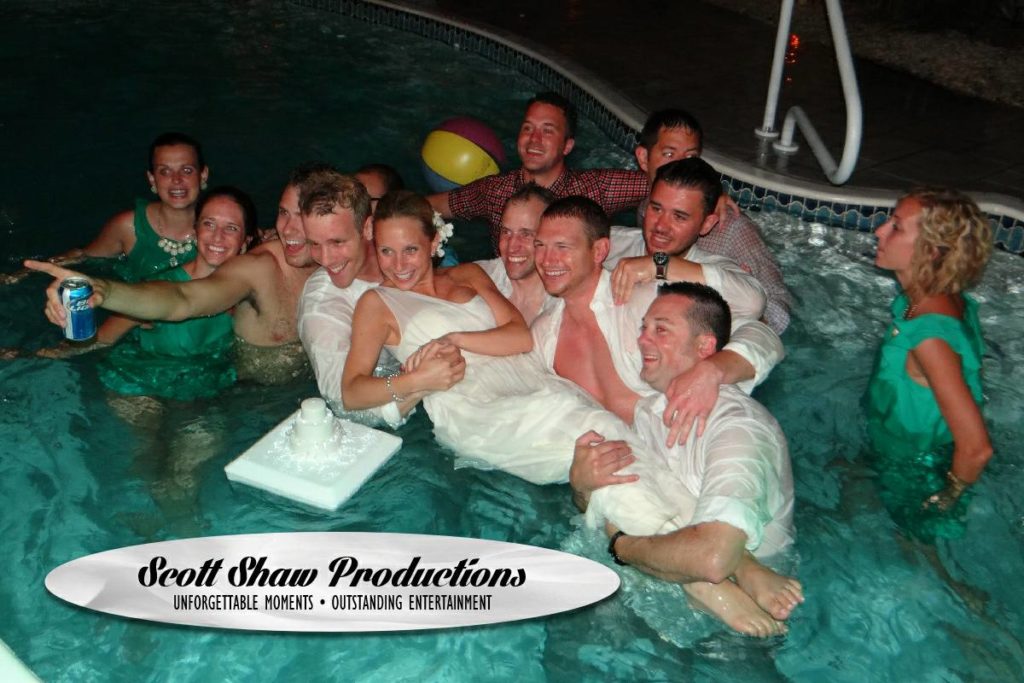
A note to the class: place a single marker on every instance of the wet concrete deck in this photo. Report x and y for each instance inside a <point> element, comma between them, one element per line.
<point>716,63</point>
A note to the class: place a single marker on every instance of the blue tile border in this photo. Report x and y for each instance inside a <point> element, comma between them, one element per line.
<point>1008,231</point>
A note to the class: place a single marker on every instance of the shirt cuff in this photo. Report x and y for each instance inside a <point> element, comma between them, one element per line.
<point>734,513</point>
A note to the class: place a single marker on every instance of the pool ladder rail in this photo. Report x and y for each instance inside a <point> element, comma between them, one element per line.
<point>839,173</point>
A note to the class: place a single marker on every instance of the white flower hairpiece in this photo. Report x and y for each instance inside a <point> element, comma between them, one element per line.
<point>445,230</point>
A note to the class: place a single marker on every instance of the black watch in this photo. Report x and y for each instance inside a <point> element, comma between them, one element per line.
<point>660,266</point>
<point>611,548</point>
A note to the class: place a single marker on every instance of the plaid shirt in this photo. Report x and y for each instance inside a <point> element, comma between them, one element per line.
<point>614,189</point>
<point>739,238</point>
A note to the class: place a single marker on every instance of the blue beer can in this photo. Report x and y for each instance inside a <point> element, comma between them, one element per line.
<point>80,324</point>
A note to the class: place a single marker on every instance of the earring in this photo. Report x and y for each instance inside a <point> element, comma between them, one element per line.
<point>202,186</point>
<point>152,188</point>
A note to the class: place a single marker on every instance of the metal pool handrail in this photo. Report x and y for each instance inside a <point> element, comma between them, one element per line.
<point>836,173</point>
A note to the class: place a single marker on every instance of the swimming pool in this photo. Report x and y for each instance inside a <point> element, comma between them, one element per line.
<point>78,480</point>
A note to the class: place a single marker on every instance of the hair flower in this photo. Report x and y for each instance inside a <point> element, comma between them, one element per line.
<point>445,230</point>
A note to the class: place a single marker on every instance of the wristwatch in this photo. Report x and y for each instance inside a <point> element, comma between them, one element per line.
<point>660,266</point>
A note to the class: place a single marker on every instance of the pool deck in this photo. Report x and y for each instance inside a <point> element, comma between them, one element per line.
<point>914,132</point>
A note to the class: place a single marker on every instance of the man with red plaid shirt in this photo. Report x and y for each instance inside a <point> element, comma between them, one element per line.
<point>546,137</point>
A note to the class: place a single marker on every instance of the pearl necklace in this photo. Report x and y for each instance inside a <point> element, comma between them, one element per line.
<point>174,247</point>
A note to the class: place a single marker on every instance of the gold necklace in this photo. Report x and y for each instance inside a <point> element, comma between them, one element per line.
<point>911,310</point>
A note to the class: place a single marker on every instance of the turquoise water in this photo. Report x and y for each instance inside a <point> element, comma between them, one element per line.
<point>266,86</point>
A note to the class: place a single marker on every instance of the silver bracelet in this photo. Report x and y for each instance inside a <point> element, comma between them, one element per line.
<point>391,390</point>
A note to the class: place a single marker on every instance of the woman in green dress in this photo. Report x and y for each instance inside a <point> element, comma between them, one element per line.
<point>924,398</point>
<point>153,236</point>
<point>191,358</point>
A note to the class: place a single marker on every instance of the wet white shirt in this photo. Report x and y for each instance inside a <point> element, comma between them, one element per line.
<point>495,269</point>
<point>620,325</point>
<point>325,328</point>
<point>740,289</point>
<point>738,470</point>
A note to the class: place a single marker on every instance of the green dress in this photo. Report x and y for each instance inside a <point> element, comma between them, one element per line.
<point>181,360</point>
<point>147,258</point>
<point>911,442</point>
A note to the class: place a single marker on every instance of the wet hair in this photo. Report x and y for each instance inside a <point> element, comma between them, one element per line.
<point>391,178</point>
<point>172,138</point>
<point>244,202</point>
<point>531,191</point>
<point>694,174</point>
<point>323,191</point>
<point>555,100</point>
<point>406,204</point>
<point>596,224</point>
<point>668,119</point>
<point>304,170</point>
<point>953,244</point>
<point>708,314</point>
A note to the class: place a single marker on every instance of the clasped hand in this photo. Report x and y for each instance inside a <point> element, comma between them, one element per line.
<point>439,364</point>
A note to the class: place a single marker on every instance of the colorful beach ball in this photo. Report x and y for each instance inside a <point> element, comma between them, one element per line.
<point>459,151</point>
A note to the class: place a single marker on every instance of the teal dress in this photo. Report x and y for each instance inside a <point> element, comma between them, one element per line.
<point>180,360</point>
<point>910,440</point>
<point>148,258</point>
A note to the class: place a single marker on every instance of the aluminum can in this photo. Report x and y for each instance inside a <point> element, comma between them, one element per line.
<point>81,323</point>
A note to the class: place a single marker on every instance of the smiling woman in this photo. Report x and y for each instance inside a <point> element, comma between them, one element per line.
<point>461,344</point>
<point>191,358</point>
<point>155,236</point>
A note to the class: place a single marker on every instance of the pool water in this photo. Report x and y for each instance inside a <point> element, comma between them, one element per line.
<point>269,85</point>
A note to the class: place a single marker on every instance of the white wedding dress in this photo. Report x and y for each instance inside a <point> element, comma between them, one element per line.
<point>508,412</point>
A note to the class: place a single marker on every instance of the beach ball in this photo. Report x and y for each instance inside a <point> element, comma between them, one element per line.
<point>459,151</point>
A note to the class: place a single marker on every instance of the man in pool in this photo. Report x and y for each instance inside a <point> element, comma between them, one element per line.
<point>335,210</point>
<point>694,511</point>
<point>586,338</point>
<point>379,179</point>
<point>514,272</point>
<point>262,285</point>
<point>546,136</point>
<point>672,134</point>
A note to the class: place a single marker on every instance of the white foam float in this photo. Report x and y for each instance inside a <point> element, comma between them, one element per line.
<point>314,457</point>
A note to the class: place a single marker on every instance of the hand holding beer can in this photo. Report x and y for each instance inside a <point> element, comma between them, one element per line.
<point>81,323</point>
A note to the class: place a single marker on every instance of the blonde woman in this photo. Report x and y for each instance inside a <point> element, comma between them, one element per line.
<point>925,393</point>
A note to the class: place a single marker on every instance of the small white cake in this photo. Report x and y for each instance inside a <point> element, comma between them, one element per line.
<point>314,426</point>
<point>304,457</point>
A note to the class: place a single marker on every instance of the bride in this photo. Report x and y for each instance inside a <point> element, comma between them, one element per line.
<point>500,409</point>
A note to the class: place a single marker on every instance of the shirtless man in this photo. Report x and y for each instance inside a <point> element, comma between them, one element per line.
<point>514,272</point>
<point>692,514</point>
<point>546,137</point>
<point>263,285</point>
<point>588,339</point>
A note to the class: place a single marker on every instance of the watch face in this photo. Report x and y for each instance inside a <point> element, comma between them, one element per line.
<point>660,258</point>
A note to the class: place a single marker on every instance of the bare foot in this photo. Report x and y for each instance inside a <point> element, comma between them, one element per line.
<point>730,604</point>
<point>776,594</point>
